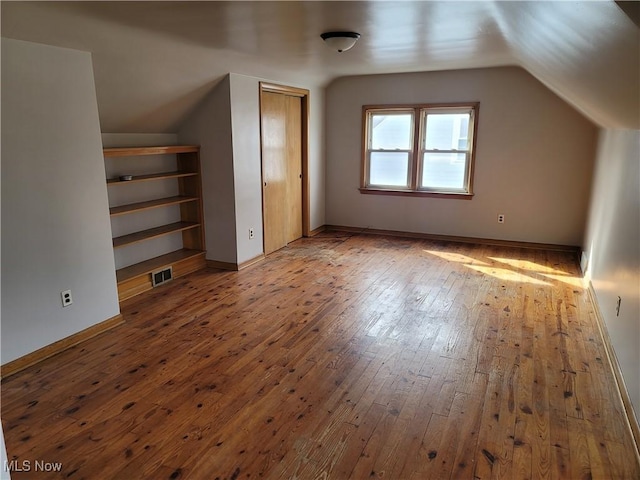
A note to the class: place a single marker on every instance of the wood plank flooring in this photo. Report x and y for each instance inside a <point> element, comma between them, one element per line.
<point>340,356</point>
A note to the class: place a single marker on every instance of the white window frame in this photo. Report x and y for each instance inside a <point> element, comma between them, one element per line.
<point>410,151</point>
<point>416,154</point>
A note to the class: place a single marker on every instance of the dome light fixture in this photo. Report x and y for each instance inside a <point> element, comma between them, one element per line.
<point>340,41</point>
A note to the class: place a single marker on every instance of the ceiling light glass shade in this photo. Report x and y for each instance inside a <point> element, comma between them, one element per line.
<point>340,41</point>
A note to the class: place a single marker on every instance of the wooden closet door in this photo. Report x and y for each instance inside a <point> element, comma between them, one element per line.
<point>274,171</point>
<point>294,168</point>
<point>281,117</point>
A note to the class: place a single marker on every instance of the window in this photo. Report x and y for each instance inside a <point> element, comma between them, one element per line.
<point>419,149</point>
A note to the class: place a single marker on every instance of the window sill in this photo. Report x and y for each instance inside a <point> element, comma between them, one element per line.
<point>416,193</point>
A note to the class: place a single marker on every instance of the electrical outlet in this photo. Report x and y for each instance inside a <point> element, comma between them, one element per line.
<point>618,303</point>
<point>251,234</point>
<point>66,298</point>
<point>500,218</point>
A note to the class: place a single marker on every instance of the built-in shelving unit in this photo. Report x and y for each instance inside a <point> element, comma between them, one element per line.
<point>136,278</point>
<point>155,176</point>
<point>140,206</point>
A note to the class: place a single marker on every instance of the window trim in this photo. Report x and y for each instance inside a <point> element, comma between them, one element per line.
<point>415,163</point>
<point>410,152</point>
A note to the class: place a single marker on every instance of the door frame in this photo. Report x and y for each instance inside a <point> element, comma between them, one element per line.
<point>304,102</point>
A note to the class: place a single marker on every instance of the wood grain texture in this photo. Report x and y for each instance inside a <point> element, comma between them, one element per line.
<point>149,204</point>
<point>191,211</point>
<point>339,356</point>
<point>282,165</point>
<point>19,364</point>
<point>453,238</point>
<point>303,95</point>
<point>294,167</point>
<point>136,151</point>
<point>154,232</point>
<point>150,177</point>
<point>273,114</point>
<point>136,279</point>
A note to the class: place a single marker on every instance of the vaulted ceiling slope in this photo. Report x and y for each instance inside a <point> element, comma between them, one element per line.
<point>155,61</point>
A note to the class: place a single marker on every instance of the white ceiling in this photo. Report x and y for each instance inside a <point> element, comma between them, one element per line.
<point>155,61</point>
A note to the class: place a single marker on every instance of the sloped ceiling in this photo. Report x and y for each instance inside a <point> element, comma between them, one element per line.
<point>155,61</point>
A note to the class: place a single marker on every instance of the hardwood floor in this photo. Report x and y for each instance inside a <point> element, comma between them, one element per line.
<point>340,356</point>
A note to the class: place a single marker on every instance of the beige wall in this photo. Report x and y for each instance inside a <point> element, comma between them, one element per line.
<point>55,215</point>
<point>247,165</point>
<point>210,127</point>
<point>534,158</point>
<point>612,248</point>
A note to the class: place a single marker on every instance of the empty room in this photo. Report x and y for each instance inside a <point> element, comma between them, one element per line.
<point>320,239</point>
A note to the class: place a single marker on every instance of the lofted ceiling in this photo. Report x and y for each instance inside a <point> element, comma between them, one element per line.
<point>155,61</point>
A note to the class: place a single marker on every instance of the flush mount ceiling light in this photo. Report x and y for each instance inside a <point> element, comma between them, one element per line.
<point>340,41</point>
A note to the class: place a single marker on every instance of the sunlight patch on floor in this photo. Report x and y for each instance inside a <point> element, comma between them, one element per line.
<point>519,271</point>
<point>573,281</point>
<point>507,275</point>
<point>528,265</point>
<point>456,257</point>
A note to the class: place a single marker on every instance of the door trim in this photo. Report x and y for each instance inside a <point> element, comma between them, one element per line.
<point>304,101</point>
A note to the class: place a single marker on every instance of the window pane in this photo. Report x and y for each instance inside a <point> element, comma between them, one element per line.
<point>447,131</point>
<point>389,168</point>
<point>390,132</point>
<point>443,170</point>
